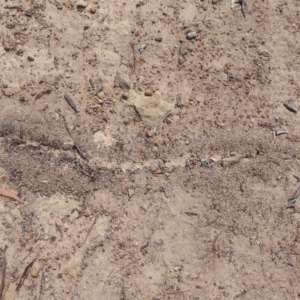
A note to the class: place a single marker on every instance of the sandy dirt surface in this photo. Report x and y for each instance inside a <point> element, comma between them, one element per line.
<point>168,173</point>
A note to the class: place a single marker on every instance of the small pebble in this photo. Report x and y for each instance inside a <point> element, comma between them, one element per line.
<point>149,133</point>
<point>142,48</point>
<point>243,187</point>
<point>179,101</point>
<point>148,93</point>
<point>6,46</point>
<point>125,96</point>
<point>191,35</point>
<point>34,272</point>
<point>60,275</point>
<point>30,58</point>
<point>20,52</point>
<point>158,39</point>
<point>130,193</point>
<point>28,13</point>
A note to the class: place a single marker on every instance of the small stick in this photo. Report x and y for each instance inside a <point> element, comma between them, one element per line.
<point>90,229</point>
<point>59,229</point>
<point>134,142</point>
<point>294,199</point>
<point>49,47</point>
<point>41,94</point>
<point>243,4</point>
<point>11,195</point>
<point>76,291</point>
<point>280,132</point>
<point>214,246</point>
<point>143,208</point>
<point>110,273</point>
<point>190,214</point>
<point>46,26</point>
<point>5,93</point>
<point>297,177</point>
<point>42,285</point>
<point>24,275</point>
<point>12,7</point>
<point>211,222</point>
<point>206,254</point>
<point>3,265</point>
<point>179,100</point>
<point>71,103</point>
<point>123,289</point>
<point>145,246</point>
<point>23,229</point>
<point>133,53</point>
<point>129,264</point>
<point>290,107</point>
<point>92,83</point>
<point>162,189</point>
<point>69,132</point>
<point>231,253</point>
<point>179,292</point>
<point>26,256</point>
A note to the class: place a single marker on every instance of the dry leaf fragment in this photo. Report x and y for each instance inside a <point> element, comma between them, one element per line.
<point>41,94</point>
<point>235,158</point>
<point>11,195</point>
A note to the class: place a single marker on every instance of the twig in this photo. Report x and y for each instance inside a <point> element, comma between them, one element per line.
<point>46,26</point>
<point>129,264</point>
<point>179,292</point>
<point>243,5</point>
<point>49,47</point>
<point>206,254</point>
<point>179,100</point>
<point>133,53</point>
<point>11,195</point>
<point>69,132</point>
<point>71,103</point>
<point>280,132</point>
<point>231,254</point>
<point>110,273</point>
<point>294,199</point>
<point>214,246</point>
<point>41,94</point>
<point>24,275</point>
<point>297,177</point>
<point>123,290</point>
<point>134,142</point>
<point>76,291</point>
<point>288,105</point>
<point>92,83</point>
<point>145,246</point>
<point>90,229</point>
<point>3,265</point>
<point>42,285</point>
<point>5,93</point>
<point>162,189</point>
<point>59,229</point>
<point>12,7</point>
<point>143,208</point>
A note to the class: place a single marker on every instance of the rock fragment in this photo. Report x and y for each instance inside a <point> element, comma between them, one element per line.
<point>123,79</point>
<point>191,35</point>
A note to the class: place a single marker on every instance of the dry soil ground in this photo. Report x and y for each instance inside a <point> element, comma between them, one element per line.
<point>171,182</point>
